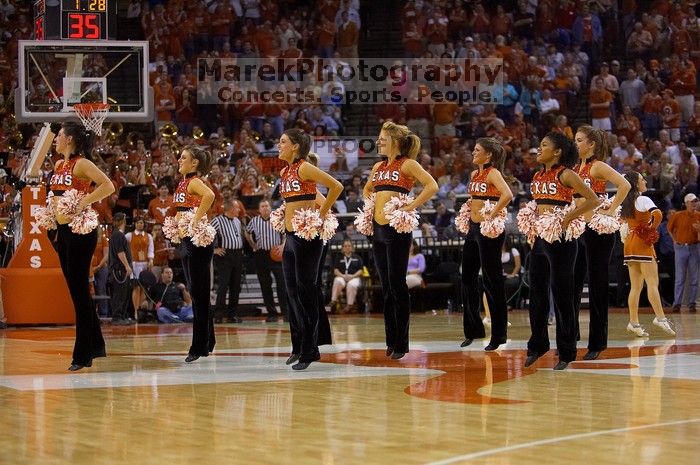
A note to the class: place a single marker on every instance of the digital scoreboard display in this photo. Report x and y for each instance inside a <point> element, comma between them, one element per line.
<point>75,19</point>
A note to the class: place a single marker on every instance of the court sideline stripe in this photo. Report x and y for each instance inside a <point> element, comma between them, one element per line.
<point>543,442</point>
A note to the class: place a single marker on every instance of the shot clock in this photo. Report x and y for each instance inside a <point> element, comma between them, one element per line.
<point>75,19</point>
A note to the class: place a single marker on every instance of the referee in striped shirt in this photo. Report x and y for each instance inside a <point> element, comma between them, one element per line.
<point>228,261</point>
<point>262,238</point>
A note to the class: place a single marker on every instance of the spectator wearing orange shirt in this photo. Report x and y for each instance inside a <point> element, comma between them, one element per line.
<point>164,103</point>
<point>221,22</point>
<point>599,104</point>
<point>627,124</point>
<point>683,84</point>
<point>444,116</point>
<point>348,37</point>
<point>159,206</point>
<point>684,228</point>
<point>325,38</point>
<point>671,115</point>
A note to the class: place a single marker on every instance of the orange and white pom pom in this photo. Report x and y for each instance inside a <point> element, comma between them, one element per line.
<point>46,216</point>
<point>549,225</point>
<point>364,222</point>
<point>171,230</point>
<point>85,221</point>
<point>307,223</point>
<point>183,224</point>
<point>69,202</point>
<point>330,226</point>
<point>576,226</point>
<point>277,219</point>
<point>494,227</point>
<point>201,232</point>
<point>401,221</point>
<point>527,220</point>
<point>605,224</point>
<point>463,217</point>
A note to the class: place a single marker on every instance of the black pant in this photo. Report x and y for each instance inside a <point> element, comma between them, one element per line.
<point>552,267</point>
<point>75,253</point>
<point>229,269</point>
<point>195,263</point>
<point>489,260</point>
<point>300,262</point>
<point>264,265</point>
<point>593,258</point>
<point>471,293</point>
<point>324,326</point>
<point>120,294</point>
<point>391,250</point>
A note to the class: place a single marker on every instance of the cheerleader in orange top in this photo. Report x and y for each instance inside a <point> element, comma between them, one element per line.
<point>643,219</point>
<point>301,258</point>
<point>486,184</point>
<point>595,249</point>
<point>193,193</point>
<point>76,171</point>
<point>393,176</point>
<point>552,263</point>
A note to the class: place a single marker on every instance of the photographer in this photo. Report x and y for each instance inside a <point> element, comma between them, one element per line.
<point>173,303</point>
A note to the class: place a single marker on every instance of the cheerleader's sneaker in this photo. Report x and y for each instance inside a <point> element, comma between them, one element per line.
<point>665,325</point>
<point>637,330</point>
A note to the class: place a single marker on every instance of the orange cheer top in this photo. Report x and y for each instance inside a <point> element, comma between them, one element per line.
<point>388,177</point>
<point>584,173</point>
<point>547,189</point>
<point>183,200</point>
<point>480,188</point>
<point>63,178</point>
<point>139,246</point>
<point>292,187</point>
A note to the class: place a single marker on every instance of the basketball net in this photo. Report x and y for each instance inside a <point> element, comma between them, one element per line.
<point>92,115</point>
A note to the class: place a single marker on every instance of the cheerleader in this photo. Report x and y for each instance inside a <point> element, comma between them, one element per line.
<point>479,251</point>
<point>595,248</point>
<point>76,171</point>
<point>552,263</point>
<point>642,220</point>
<point>193,193</point>
<point>301,258</point>
<point>393,176</point>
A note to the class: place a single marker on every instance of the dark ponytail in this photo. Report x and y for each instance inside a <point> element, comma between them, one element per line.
<point>299,137</point>
<point>627,206</point>
<point>495,149</point>
<point>82,139</point>
<point>202,156</point>
<point>569,154</point>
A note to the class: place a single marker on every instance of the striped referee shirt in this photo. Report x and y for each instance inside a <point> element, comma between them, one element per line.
<point>264,235</point>
<point>228,232</point>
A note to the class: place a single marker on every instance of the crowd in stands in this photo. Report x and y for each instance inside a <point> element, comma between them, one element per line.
<point>628,67</point>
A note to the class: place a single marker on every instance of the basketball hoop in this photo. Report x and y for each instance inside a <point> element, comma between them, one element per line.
<point>92,115</point>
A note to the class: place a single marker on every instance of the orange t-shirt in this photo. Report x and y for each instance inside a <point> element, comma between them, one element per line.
<point>600,96</point>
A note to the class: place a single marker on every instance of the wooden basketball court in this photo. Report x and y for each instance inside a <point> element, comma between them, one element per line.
<point>638,404</point>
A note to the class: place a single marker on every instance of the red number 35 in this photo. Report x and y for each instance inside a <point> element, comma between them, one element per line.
<point>83,26</point>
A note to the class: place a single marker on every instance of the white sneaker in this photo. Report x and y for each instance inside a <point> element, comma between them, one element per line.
<point>637,329</point>
<point>665,325</point>
<point>487,321</point>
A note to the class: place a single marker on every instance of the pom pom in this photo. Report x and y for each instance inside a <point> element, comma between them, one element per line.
<point>85,221</point>
<point>46,216</point>
<point>576,227</point>
<point>605,224</point>
<point>277,219</point>
<point>463,217</point>
<point>201,232</point>
<point>648,234</point>
<point>170,229</point>
<point>184,221</point>
<point>330,226</point>
<point>68,204</point>
<point>401,221</point>
<point>527,220</point>
<point>307,223</point>
<point>549,225</point>
<point>364,221</point>
<point>494,227</point>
